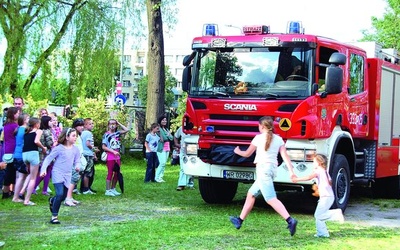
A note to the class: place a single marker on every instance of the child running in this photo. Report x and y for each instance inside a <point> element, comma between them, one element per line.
<point>267,145</point>
<point>65,155</point>
<point>326,196</point>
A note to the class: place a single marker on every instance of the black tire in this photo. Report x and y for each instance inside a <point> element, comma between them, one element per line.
<point>340,181</point>
<point>217,191</point>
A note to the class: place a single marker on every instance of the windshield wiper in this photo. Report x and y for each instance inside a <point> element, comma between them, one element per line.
<point>272,96</point>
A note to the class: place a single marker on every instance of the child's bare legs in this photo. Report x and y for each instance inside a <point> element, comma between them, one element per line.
<point>19,182</point>
<point>25,185</point>
<point>31,184</point>
<point>248,206</point>
<point>278,207</point>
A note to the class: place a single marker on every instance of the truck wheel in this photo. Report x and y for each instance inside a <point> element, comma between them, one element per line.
<point>217,191</point>
<point>340,181</point>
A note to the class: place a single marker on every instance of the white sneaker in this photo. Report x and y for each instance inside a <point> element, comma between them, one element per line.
<point>37,188</point>
<point>88,192</point>
<point>339,215</point>
<point>49,190</point>
<point>109,193</point>
<point>115,192</point>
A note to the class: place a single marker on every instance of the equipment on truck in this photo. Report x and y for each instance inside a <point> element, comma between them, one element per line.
<point>325,96</point>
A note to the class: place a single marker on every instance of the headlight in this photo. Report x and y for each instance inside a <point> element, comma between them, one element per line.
<point>301,154</point>
<point>191,149</point>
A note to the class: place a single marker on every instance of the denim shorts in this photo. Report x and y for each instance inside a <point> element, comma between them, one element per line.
<point>264,184</point>
<point>31,157</point>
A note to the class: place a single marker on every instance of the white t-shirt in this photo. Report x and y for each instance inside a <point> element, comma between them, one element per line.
<point>271,155</point>
<point>179,134</point>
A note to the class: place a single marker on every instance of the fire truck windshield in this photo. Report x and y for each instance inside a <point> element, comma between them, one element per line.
<point>252,73</point>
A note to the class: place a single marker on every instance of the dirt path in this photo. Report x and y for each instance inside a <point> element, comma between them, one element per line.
<point>372,215</point>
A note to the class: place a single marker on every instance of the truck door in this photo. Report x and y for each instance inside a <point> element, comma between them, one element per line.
<point>358,95</point>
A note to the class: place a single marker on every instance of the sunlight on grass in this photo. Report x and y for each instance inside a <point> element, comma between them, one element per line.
<point>156,216</point>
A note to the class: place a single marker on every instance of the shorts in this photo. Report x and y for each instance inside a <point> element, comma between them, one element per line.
<point>75,177</point>
<point>264,184</point>
<point>31,157</point>
<point>88,171</point>
<point>20,166</point>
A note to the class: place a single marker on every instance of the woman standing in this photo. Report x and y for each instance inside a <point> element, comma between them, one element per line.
<point>30,155</point>
<point>163,148</point>
<point>9,130</point>
<point>111,144</point>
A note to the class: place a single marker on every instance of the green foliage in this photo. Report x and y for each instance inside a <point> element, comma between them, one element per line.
<point>177,121</point>
<point>385,30</point>
<point>170,82</point>
<point>32,107</point>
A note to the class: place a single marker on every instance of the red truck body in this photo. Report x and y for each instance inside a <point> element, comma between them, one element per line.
<point>325,96</point>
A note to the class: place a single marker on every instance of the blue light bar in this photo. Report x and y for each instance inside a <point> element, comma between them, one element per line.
<point>210,29</point>
<point>294,27</point>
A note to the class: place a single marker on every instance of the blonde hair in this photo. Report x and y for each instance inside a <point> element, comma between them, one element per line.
<point>268,123</point>
<point>322,160</point>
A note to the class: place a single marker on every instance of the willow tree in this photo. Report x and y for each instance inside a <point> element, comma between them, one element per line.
<point>385,30</point>
<point>73,39</point>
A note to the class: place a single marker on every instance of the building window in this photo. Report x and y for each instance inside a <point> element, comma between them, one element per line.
<point>126,95</point>
<point>169,59</point>
<point>126,83</point>
<point>127,58</point>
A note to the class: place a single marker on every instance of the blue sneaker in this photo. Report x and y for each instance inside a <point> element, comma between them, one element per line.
<point>292,226</point>
<point>236,221</point>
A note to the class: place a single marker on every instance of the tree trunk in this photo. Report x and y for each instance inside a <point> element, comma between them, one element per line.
<point>155,64</point>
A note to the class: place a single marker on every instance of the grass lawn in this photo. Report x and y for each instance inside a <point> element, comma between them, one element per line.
<point>156,216</point>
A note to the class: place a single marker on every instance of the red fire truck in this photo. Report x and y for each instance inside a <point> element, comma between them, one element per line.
<point>325,96</point>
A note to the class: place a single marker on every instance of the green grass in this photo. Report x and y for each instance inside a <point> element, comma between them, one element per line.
<point>156,216</point>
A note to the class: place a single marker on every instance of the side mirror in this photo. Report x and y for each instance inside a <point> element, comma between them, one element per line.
<point>334,74</point>
<point>186,78</point>
<point>188,59</point>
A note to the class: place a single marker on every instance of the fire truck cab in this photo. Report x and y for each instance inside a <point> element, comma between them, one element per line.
<point>325,96</point>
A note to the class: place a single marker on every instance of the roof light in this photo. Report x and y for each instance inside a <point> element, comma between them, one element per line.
<point>256,30</point>
<point>294,27</point>
<point>210,29</point>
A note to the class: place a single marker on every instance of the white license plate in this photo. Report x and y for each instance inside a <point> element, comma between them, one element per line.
<point>242,175</point>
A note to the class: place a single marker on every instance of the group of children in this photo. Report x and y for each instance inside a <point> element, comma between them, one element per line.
<point>37,146</point>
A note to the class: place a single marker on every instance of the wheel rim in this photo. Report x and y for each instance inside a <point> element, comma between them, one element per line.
<point>341,186</point>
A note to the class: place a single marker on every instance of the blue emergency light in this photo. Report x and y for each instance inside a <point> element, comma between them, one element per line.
<point>210,29</point>
<point>294,27</point>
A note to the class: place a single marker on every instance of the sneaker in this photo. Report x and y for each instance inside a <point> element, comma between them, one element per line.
<point>88,192</point>
<point>115,192</point>
<point>339,215</point>
<point>49,190</point>
<point>235,221</point>
<point>292,226</point>
<point>109,193</point>
<point>76,191</point>
<point>93,191</point>
<point>159,180</point>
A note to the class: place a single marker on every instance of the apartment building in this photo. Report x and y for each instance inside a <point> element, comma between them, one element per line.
<point>134,68</point>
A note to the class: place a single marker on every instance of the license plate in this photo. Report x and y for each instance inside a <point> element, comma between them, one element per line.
<point>228,174</point>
